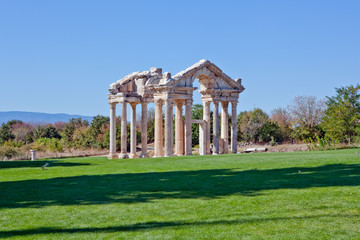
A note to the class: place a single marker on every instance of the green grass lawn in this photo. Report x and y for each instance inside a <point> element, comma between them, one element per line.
<point>302,195</point>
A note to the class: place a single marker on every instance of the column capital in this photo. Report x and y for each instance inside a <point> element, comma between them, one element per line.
<point>188,101</point>
<point>133,104</point>
<point>158,102</point>
<point>224,104</point>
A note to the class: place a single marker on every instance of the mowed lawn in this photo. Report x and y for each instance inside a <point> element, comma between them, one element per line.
<point>302,195</point>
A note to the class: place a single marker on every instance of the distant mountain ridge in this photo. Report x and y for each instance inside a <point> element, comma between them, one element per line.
<point>39,118</point>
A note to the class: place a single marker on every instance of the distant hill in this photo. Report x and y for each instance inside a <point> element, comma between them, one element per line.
<point>35,117</point>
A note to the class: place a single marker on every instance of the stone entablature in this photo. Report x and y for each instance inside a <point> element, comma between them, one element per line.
<point>160,88</point>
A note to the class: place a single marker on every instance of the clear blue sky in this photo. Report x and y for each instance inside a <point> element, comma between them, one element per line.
<point>61,56</point>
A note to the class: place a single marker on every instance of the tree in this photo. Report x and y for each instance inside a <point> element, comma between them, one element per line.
<point>281,117</point>
<point>249,124</point>
<point>46,132</point>
<point>97,125</point>
<point>5,133</point>
<point>197,113</point>
<point>342,115</point>
<point>306,114</point>
<point>69,129</point>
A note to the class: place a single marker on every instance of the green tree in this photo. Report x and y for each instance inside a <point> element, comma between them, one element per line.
<point>97,130</point>
<point>46,132</point>
<point>250,123</point>
<point>5,133</point>
<point>197,113</point>
<point>342,115</point>
<point>69,129</point>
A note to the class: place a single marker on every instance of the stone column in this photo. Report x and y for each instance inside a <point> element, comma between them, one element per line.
<point>158,148</point>
<point>202,138</point>
<point>233,127</point>
<point>133,131</point>
<point>179,129</point>
<point>216,128</point>
<point>144,130</point>
<point>225,125</point>
<point>188,144</point>
<point>112,154</point>
<point>123,153</point>
<point>206,117</point>
<point>33,155</point>
<point>168,128</point>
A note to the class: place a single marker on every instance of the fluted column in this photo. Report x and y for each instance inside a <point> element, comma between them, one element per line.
<point>158,149</point>
<point>133,131</point>
<point>206,117</point>
<point>144,130</point>
<point>233,127</point>
<point>202,138</point>
<point>112,154</point>
<point>216,128</point>
<point>188,143</point>
<point>123,153</point>
<point>168,128</point>
<point>179,129</point>
<point>225,125</point>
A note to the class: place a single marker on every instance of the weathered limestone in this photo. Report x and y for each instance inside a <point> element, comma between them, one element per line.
<point>225,126</point>
<point>33,154</point>
<point>168,128</point>
<point>158,148</point>
<point>216,128</point>
<point>164,89</point>
<point>112,154</point>
<point>144,153</point>
<point>188,146</point>
<point>179,129</point>
<point>206,117</point>
<point>133,131</point>
<point>123,153</point>
<point>233,127</point>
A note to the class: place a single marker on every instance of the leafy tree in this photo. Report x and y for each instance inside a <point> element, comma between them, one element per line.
<point>5,133</point>
<point>306,114</point>
<point>197,113</point>
<point>250,123</point>
<point>342,115</point>
<point>97,128</point>
<point>70,127</point>
<point>46,132</point>
<point>281,117</point>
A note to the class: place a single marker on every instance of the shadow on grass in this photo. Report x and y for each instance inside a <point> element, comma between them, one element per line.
<point>145,187</point>
<point>157,225</point>
<point>38,164</point>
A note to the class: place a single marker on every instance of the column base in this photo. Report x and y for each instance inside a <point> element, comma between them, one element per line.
<point>169,155</point>
<point>188,154</point>
<point>215,153</point>
<point>112,156</point>
<point>123,156</point>
<point>131,155</point>
<point>144,155</point>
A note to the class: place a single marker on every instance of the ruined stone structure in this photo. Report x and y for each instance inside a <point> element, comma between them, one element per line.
<point>164,90</point>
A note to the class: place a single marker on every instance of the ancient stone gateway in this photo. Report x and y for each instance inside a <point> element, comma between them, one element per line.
<point>162,89</point>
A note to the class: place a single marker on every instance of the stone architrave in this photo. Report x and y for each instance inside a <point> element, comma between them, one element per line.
<point>123,153</point>
<point>159,147</point>
<point>233,127</point>
<point>188,143</point>
<point>225,126</point>
<point>144,153</point>
<point>112,154</point>
<point>133,131</point>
